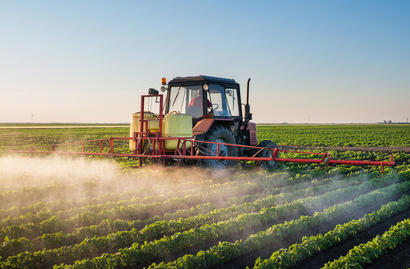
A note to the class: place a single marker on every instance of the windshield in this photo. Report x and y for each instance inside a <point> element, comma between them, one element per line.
<point>224,101</point>
<point>186,100</point>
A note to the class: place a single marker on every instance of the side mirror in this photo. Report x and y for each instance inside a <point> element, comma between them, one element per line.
<point>163,88</point>
<point>152,91</point>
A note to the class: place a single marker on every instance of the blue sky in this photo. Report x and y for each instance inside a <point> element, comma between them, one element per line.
<point>310,61</point>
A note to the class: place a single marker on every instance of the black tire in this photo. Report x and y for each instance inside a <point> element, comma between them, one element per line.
<point>269,145</point>
<point>221,134</point>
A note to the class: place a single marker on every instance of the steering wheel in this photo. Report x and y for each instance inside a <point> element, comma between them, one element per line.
<point>215,106</point>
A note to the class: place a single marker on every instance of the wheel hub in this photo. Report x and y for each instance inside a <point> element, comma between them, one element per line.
<point>223,152</point>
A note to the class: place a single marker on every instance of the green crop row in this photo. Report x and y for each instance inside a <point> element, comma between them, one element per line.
<point>51,222</point>
<point>337,135</point>
<point>309,246</point>
<point>134,192</point>
<point>27,195</point>
<point>31,217</point>
<point>142,255</point>
<point>366,253</point>
<point>163,227</point>
<point>152,199</point>
<point>327,135</point>
<point>177,242</point>
<point>226,251</point>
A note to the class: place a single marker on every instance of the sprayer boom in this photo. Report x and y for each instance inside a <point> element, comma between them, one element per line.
<point>200,122</point>
<point>106,148</point>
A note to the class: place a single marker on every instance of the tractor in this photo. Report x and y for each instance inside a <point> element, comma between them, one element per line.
<point>217,113</point>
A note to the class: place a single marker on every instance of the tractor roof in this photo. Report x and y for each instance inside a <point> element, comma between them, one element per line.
<point>203,79</point>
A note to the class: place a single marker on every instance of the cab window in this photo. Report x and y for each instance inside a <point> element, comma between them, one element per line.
<point>186,100</point>
<point>218,100</point>
<point>232,101</point>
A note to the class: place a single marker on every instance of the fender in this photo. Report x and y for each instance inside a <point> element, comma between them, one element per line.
<point>253,139</point>
<point>202,126</point>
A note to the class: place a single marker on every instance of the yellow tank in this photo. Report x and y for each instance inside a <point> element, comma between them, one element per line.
<point>153,125</point>
<point>176,125</point>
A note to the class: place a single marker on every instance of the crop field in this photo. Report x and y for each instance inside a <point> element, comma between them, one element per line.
<point>101,213</point>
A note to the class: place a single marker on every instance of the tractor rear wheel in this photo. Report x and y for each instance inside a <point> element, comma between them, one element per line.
<point>219,134</point>
<point>265,153</point>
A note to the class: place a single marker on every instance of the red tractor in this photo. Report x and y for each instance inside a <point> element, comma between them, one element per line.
<point>217,116</point>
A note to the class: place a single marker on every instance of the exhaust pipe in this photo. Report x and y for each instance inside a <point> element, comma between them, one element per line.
<point>247,91</point>
<point>248,114</point>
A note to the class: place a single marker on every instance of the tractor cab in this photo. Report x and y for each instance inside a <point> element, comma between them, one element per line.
<point>204,97</point>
